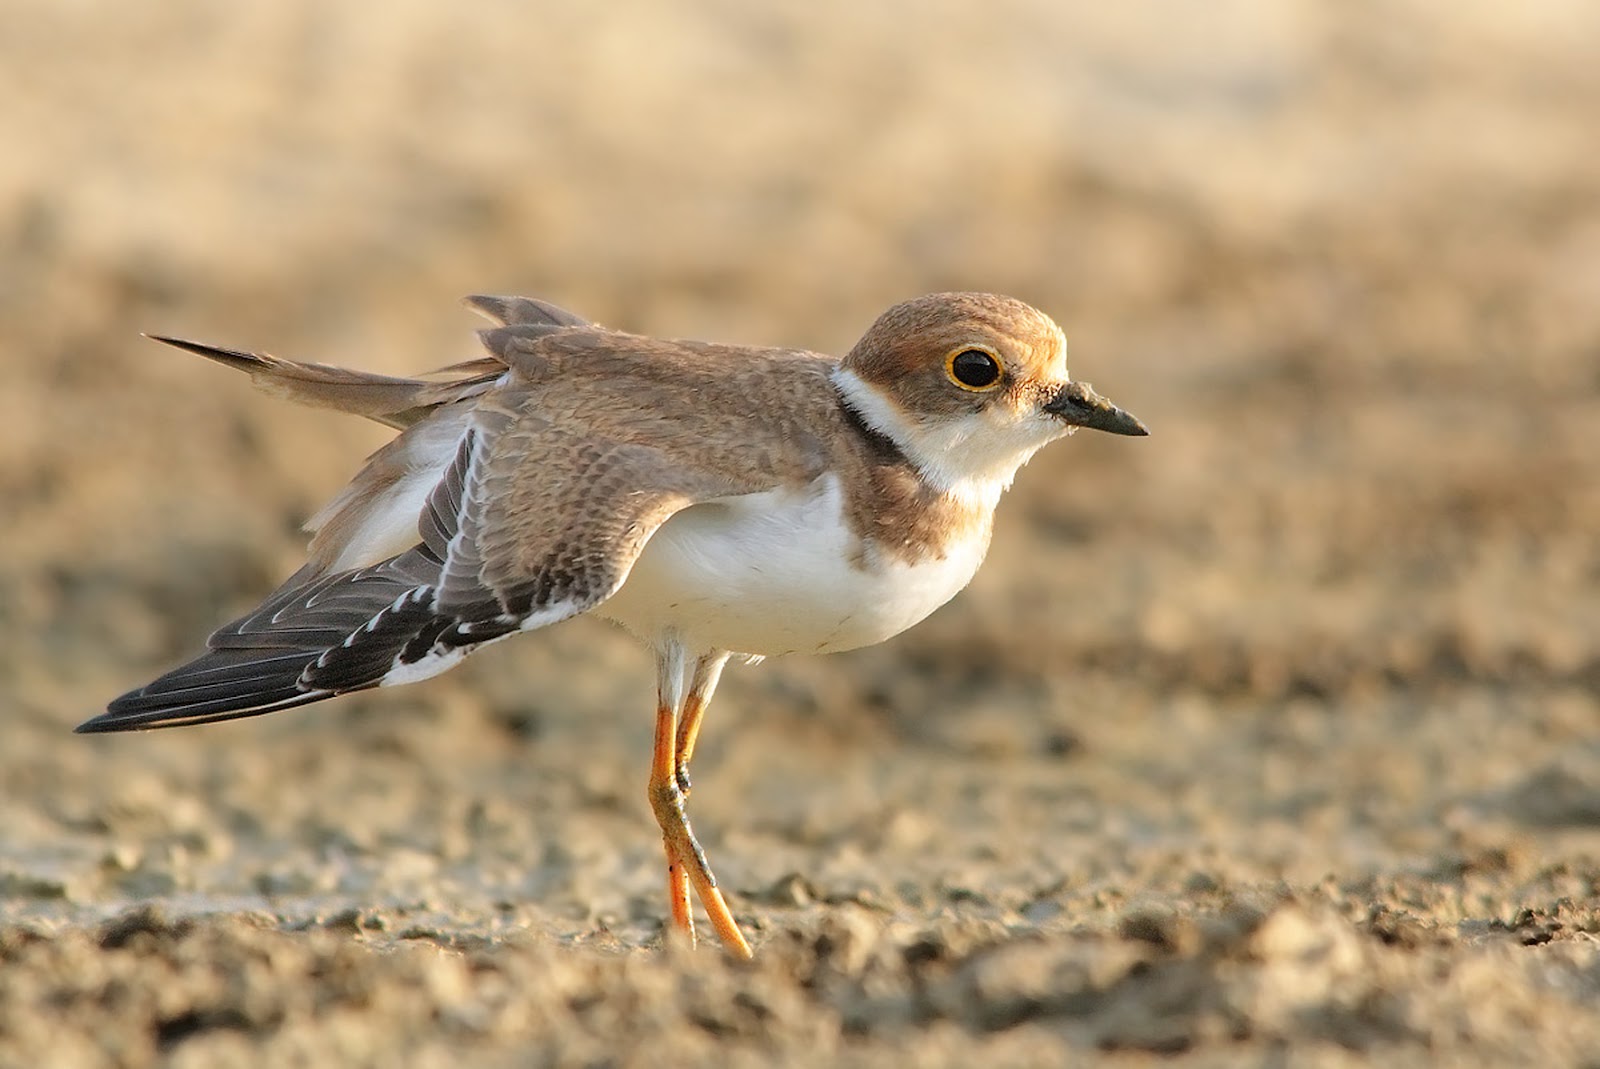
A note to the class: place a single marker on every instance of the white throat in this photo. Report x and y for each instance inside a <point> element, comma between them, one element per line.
<point>972,457</point>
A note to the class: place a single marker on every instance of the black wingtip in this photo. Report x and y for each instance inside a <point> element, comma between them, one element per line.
<point>109,722</point>
<point>212,712</point>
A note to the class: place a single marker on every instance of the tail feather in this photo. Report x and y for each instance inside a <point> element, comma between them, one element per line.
<point>387,399</point>
<point>390,400</point>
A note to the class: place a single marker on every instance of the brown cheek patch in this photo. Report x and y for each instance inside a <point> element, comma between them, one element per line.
<point>932,392</point>
<point>905,351</point>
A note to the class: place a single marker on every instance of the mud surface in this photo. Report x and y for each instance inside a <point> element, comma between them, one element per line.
<point>1271,739</point>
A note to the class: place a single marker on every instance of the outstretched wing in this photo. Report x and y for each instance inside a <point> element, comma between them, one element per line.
<point>562,471</point>
<point>526,528</point>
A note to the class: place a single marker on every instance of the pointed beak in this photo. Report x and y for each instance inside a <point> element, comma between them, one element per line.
<point>1078,405</point>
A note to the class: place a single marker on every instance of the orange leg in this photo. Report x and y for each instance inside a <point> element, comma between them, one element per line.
<point>686,861</point>
<point>707,670</point>
<point>677,875</point>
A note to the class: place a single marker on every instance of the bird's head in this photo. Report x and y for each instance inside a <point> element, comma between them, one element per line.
<point>969,386</point>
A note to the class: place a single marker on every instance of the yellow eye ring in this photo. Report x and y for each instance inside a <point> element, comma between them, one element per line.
<point>974,368</point>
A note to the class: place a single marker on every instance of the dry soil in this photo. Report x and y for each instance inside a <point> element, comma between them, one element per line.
<point>1271,739</point>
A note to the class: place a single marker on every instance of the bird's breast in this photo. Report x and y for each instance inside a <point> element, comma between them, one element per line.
<point>784,571</point>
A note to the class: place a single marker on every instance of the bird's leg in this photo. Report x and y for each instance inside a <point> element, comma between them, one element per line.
<point>686,861</point>
<point>663,788</point>
<point>707,670</point>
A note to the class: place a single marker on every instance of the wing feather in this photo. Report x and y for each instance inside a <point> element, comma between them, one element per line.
<point>529,497</point>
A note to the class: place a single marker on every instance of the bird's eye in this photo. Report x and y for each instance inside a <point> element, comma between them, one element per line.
<point>974,369</point>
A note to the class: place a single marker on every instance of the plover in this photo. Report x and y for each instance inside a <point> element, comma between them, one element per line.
<point>720,502</point>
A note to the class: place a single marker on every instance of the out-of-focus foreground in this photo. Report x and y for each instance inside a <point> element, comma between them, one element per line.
<point>1275,732</point>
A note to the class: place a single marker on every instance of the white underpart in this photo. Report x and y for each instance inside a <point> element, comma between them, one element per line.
<point>779,572</point>
<point>972,457</point>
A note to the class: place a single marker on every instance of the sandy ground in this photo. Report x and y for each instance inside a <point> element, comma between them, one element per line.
<point>1272,739</point>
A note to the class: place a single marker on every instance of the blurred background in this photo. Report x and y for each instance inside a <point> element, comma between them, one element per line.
<point>1332,627</point>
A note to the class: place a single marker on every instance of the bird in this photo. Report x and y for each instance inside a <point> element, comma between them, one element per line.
<point>720,502</point>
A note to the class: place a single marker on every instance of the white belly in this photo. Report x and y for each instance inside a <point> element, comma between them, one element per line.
<point>779,572</point>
